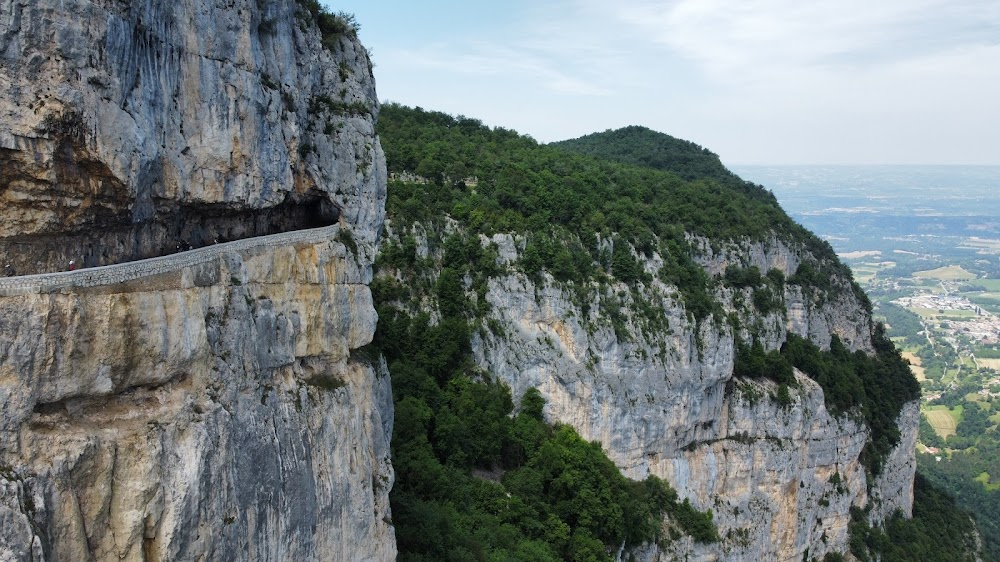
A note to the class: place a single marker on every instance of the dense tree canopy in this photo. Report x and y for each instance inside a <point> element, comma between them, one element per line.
<point>495,180</point>
<point>938,531</point>
<point>524,186</point>
<point>645,147</point>
<point>973,476</point>
<point>476,482</point>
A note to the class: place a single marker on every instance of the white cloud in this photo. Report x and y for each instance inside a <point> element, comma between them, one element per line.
<point>766,81</point>
<point>556,45</point>
<point>741,39</point>
<point>844,81</point>
<point>486,59</point>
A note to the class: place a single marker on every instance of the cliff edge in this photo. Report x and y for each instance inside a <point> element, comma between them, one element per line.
<point>690,328</point>
<point>198,388</point>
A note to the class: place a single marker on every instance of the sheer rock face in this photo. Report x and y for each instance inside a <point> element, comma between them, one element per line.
<point>662,400</point>
<point>208,412</point>
<point>121,114</point>
<point>214,409</point>
<point>816,317</point>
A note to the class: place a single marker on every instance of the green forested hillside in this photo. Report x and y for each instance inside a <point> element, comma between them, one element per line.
<point>645,147</point>
<point>938,531</point>
<point>477,480</point>
<point>971,476</point>
<point>562,199</point>
<point>474,481</point>
<point>566,202</point>
<point>524,186</point>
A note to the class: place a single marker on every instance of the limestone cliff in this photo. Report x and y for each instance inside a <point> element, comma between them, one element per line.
<point>211,404</point>
<point>662,399</point>
<point>129,127</point>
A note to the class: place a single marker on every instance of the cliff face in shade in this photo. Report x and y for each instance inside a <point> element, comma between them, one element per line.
<point>206,405</point>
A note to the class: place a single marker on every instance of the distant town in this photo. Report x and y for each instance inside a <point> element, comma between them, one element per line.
<point>983,327</point>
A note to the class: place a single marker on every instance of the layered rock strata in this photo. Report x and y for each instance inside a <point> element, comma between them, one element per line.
<point>214,404</point>
<point>206,411</point>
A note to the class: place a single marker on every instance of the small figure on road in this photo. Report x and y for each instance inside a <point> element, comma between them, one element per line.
<point>8,270</point>
<point>72,265</point>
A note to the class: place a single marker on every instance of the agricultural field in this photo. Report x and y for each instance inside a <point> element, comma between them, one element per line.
<point>860,254</point>
<point>983,245</point>
<point>991,285</point>
<point>943,420</point>
<point>984,293</point>
<point>916,365</point>
<point>940,314</point>
<point>863,274</point>
<point>947,273</point>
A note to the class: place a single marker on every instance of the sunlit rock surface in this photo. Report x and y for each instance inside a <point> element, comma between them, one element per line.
<point>780,481</point>
<point>215,404</point>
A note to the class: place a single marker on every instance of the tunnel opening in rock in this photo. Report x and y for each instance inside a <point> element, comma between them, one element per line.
<point>174,228</point>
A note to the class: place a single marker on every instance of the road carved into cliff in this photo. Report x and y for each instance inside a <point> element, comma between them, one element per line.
<point>130,271</point>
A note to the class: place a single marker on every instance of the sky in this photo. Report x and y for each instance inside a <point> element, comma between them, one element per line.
<point>755,81</point>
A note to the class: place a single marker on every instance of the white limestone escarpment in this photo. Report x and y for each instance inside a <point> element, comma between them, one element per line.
<point>121,116</point>
<point>661,399</point>
<point>214,404</point>
<point>213,411</point>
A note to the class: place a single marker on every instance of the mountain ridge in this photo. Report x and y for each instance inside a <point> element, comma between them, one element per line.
<point>642,146</point>
<point>627,324</point>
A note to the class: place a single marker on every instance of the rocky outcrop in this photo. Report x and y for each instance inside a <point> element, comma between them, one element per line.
<point>661,399</point>
<point>816,315</point>
<point>215,404</point>
<point>212,411</point>
<point>132,120</point>
<point>893,487</point>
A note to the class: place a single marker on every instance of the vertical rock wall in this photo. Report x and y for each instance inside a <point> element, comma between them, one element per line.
<point>779,480</point>
<point>217,410</point>
<point>121,113</point>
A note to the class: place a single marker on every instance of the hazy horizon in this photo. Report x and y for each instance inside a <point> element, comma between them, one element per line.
<point>756,82</point>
